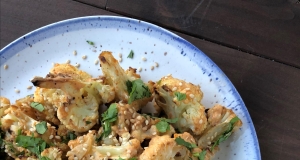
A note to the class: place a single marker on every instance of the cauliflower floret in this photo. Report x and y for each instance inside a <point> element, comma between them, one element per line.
<point>221,123</point>
<point>80,108</point>
<point>118,78</point>
<point>16,120</point>
<point>164,147</point>
<point>71,71</point>
<point>4,104</point>
<point>189,111</point>
<point>84,147</point>
<point>53,153</point>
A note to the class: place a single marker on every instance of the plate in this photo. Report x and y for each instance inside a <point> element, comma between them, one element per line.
<point>157,53</point>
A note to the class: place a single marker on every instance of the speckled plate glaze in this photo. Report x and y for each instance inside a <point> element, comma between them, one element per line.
<point>34,54</point>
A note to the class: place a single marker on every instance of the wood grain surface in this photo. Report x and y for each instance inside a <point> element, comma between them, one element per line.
<point>269,89</point>
<point>268,28</point>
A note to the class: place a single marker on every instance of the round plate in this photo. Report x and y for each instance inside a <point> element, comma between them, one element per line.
<point>34,54</point>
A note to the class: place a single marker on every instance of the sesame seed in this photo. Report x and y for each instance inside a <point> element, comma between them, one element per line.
<point>208,143</point>
<point>120,139</point>
<point>152,67</point>
<point>201,121</point>
<point>75,53</point>
<point>91,157</point>
<point>146,122</point>
<point>130,110</point>
<point>208,138</point>
<point>5,66</point>
<point>77,65</point>
<point>68,61</point>
<point>191,95</point>
<point>32,129</point>
<point>66,109</point>
<point>132,120</point>
<point>110,136</point>
<point>84,149</point>
<point>51,136</point>
<point>140,69</point>
<point>133,127</point>
<point>144,59</point>
<point>17,91</point>
<point>215,134</point>
<point>108,153</point>
<point>180,83</point>
<point>125,128</point>
<point>174,89</point>
<point>127,121</point>
<point>57,137</point>
<point>120,60</point>
<point>80,141</point>
<point>187,89</point>
<point>84,57</point>
<point>154,133</point>
<point>29,87</point>
<point>120,55</point>
<point>156,64</point>
<point>134,115</point>
<point>139,118</point>
<point>145,128</point>
<point>96,61</point>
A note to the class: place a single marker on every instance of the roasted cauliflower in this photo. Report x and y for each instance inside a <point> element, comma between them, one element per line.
<point>182,100</point>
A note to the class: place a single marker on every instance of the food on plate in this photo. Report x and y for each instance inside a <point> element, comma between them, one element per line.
<point>72,115</point>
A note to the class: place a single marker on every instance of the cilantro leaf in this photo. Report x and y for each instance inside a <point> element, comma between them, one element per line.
<point>33,144</point>
<point>163,125</point>
<point>90,43</point>
<point>41,127</point>
<point>88,122</point>
<point>227,133</point>
<point>69,136</point>
<point>138,90</point>
<point>182,142</point>
<point>133,158</point>
<point>37,106</point>
<point>120,158</point>
<point>131,53</point>
<point>180,96</point>
<point>109,116</point>
<point>201,156</point>
<point>129,86</point>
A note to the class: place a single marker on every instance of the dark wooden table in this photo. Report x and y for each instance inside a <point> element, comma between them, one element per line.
<point>255,42</point>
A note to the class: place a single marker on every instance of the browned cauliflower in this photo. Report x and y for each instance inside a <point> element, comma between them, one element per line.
<point>84,147</point>
<point>53,153</point>
<point>221,123</point>
<point>181,100</point>
<point>4,104</point>
<point>165,147</point>
<point>79,111</point>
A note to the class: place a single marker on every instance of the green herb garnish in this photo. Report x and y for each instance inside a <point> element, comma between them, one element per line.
<point>163,125</point>
<point>201,156</point>
<point>37,106</point>
<point>90,43</point>
<point>33,144</point>
<point>41,127</point>
<point>88,122</point>
<point>133,158</point>
<point>120,158</point>
<point>109,116</point>
<point>180,96</point>
<point>182,142</point>
<point>226,134</point>
<point>137,90</point>
<point>69,136</point>
<point>130,54</point>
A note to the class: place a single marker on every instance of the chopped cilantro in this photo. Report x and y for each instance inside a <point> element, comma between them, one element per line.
<point>37,106</point>
<point>88,122</point>
<point>201,156</point>
<point>131,53</point>
<point>90,43</point>
<point>227,133</point>
<point>182,142</point>
<point>109,116</point>
<point>33,144</point>
<point>69,136</point>
<point>133,158</point>
<point>180,96</point>
<point>163,125</point>
<point>120,158</point>
<point>41,127</point>
<point>137,90</point>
